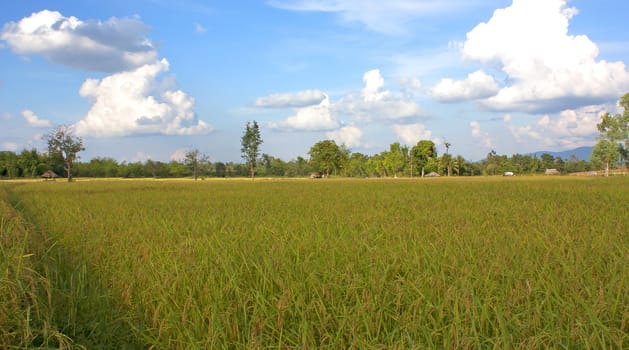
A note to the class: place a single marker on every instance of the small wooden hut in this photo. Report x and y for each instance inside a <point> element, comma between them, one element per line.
<point>49,175</point>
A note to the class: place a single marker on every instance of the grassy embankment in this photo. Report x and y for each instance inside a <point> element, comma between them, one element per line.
<point>491,263</point>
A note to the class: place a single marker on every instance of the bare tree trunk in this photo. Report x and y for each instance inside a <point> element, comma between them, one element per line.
<point>69,171</point>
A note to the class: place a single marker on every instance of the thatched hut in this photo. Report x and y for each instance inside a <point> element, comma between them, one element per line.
<point>432,174</point>
<point>48,175</point>
<point>552,172</point>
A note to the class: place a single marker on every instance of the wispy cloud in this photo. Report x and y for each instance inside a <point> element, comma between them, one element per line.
<point>289,100</point>
<point>199,28</point>
<point>389,17</point>
<point>478,134</point>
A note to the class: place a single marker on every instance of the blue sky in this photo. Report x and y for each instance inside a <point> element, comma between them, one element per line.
<point>152,78</point>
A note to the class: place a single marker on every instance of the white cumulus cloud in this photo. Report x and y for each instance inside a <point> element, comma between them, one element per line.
<point>374,82</point>
<point>34,121</point>
<point>573,128</point>
<point>179,154</point>
<point>574,122</point>
<point>547,68</point>
<point>375,103</point>
<point>128,103</point>
<point>311,118</point>
<point>410,86</point>
<point>141,157</point>
<point>521,132</point>
<point>477,85</point>
<point>567,129</point>
<point>349,135</point>
<point>289,100</point>
<point>133,99</point>
<point>478,134</point>
<point>110,46</point>
<point>410,134</point>
<point>371,103</point>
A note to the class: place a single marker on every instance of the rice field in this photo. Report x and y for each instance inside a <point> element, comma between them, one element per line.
<point>500,263</point>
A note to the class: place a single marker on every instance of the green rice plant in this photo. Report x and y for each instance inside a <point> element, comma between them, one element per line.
<point>25,310</point>
<point>439,263</point>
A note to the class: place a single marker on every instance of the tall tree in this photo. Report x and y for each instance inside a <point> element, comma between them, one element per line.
<point>151,167</point>
<point>604,154</point>
<point>296,167</point>
<point>196,161</point>
<point>9,164</point>
<point>459,165</point>
<point>251,141</point>
<point>394,159</point>
<point>491,163</point>
<point>424,151</point>
<point>176,169</point>
<point>266,160</point>
<point>326,155</point>
<point>614,136</point>
<point>64,144</point>
<point>220,169</point>
<point>447,160</point>
<point>99,167</point>
<point>547,160</point>
<point>30,161</point>
<point>407,159</point>
<point>344,157</point>
<point>446,163</point>
<point>357,166</point>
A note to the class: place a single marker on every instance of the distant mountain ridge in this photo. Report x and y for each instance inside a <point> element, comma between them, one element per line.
<point>583,153</point>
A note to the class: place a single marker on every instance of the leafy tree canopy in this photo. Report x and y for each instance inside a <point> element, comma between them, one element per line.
<point>64,144</point>
<point>614,137</point>
<point>326,155</point>
<point>250,142</point>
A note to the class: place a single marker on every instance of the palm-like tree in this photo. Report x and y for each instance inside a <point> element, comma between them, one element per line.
<point>448,162</point>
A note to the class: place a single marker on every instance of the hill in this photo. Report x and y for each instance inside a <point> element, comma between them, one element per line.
<point>583,153</point>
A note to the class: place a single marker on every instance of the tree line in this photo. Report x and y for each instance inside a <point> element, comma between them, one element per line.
<point>326,156</point>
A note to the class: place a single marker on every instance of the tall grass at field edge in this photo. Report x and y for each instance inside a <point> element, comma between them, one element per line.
<point>26,310</point>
